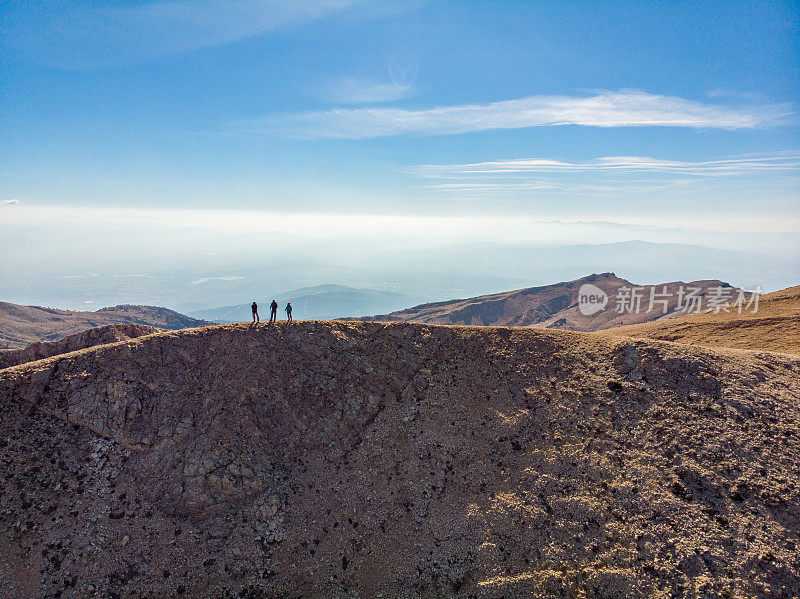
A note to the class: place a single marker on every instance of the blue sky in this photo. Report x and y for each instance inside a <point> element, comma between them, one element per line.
<point>661,114</point>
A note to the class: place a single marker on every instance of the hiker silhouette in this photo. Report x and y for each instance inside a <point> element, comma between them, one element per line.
<point>254,307</point>
<point>273,311</point>
<point>288,312</point>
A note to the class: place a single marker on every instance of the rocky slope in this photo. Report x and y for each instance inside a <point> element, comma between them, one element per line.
<point>551,306</point>
<point>101,335</point>
<point>21,326</point>
<point>775,326</point>
<point>400,460</point>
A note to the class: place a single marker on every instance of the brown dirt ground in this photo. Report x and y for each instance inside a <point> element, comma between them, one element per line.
<point>400,460</point>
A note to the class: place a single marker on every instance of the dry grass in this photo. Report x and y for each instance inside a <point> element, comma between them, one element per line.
<point>775,327</point>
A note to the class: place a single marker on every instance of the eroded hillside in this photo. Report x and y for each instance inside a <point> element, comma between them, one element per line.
<point>400,460</point>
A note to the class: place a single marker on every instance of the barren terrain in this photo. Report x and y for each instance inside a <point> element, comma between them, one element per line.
<point>400,460</point>
<point>551,306</point>
<point>21,326</point>
<point>775,326</point>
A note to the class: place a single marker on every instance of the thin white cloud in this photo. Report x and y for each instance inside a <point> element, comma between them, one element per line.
<point>490,187</point>
<point>463,191</point>
<point>786,162</point>
<point>625,108</point>
<point>88,37</point>
<point>774,174</point>
<point>207,279</point>
<point>12,202</point>
<point>357,91</point>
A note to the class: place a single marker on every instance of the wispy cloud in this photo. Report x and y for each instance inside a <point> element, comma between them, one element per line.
<point>785,162</point>
<point>87,37</point>
<point>357,91</point>
<point>12,202</point>
<point>775,173</point>
<point>552,188</point>
<point>625,108</point>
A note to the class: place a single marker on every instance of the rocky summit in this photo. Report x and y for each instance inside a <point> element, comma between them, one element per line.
<point>366,459</point>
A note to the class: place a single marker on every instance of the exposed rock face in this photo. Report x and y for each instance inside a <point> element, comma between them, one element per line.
<point>554,306</point>
<point>400,460</point>
<point>89,338</point>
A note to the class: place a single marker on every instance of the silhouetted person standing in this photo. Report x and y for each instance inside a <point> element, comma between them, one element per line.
<point>273,311</point>
<point>255,313</point>
<point>288,312</point>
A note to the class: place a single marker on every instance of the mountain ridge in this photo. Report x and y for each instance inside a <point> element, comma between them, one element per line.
<point>548,306</point>
<point>104,335</point>
<point>775,326</point>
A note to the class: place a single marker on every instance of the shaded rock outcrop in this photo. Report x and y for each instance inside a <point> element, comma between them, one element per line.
<point>400,460</point>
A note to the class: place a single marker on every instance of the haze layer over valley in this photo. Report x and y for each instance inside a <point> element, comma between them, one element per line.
<point>191,264</point>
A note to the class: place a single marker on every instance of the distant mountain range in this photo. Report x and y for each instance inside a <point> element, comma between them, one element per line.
<point>558,306</point>
<point>323,302</point>
<point>550,306</point>
<point>773,326</point>
<point>23,325</point>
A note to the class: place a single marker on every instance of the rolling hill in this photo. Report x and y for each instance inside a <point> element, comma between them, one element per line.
<point>21,326</point>
<point>344,459</point>
<point>775,326</point>
<point>553,306</point>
